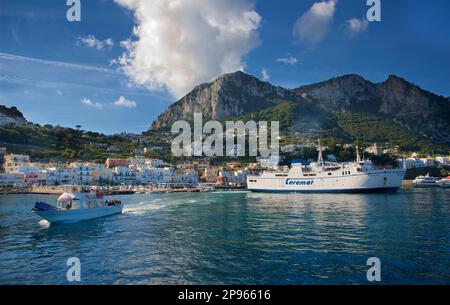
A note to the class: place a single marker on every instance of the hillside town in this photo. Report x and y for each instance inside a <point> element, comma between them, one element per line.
<point>20,171</point>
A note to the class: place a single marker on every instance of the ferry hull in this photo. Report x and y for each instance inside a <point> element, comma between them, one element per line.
<point>388,190</point>
<point>76,215</point>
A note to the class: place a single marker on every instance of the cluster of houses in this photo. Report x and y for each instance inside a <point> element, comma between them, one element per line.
<point>20,171</point>
<point>415,162</point>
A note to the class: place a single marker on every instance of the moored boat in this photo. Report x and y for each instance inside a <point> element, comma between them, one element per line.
<point>425,181</point>
<point>445,183</point>
<point>74,208</point>
<point>329,177</point>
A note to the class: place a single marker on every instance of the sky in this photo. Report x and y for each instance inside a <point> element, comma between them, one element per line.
<point>125,61</point>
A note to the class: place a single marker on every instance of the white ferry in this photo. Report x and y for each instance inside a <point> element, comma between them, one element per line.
<point>425,181</point>
<point>329,177</point>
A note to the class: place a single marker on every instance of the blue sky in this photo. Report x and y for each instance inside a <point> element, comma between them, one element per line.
<point>101,74</point>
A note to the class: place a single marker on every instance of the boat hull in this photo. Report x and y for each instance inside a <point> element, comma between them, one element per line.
<point>374,182</point>
<point>443,185</point>
<point>76,215</point>
<point>424,186</point>
<point>389,190</point>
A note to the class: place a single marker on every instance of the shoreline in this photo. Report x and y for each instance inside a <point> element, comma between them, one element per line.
<point>58,190</point>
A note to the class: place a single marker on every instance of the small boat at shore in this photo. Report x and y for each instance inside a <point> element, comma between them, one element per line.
<point>425,181</point>
<point>444,183</point>
<point>79,207</point>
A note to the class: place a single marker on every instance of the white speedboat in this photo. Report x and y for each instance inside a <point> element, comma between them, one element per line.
<point>445,183</point>
<point>74,208</point>
<point>329,177</point>
<point>425,181</point>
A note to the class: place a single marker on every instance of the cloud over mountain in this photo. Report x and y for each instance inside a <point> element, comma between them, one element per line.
<point>179,44</point>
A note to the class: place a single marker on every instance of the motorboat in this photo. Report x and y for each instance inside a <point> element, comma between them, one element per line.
<point>72,207</point>
<point>425,181</point>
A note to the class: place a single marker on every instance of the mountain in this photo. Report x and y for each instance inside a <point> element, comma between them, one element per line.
<point>419,111</point>
<point>348,108</point>
<point>11,116</point>
<point>230,95</point>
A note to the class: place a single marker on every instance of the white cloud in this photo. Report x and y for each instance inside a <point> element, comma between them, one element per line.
<point>357,26</point>
<point>123,102</point>
<point>265,74</point>
<point>90,103</point>
<point>92,42</point>
<point>313,25</point>
<point>180,44</point>
<point>289,60</point>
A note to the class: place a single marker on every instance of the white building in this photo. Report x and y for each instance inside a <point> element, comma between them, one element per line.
<point>185,177</point>
<point>84,172</point>
<point>9,179</point>
<point>155,175</point>
<point>443,160</point>
<point>228,177</point>
<point>64,175</point>
<point>102,173</point>
<point>15,163</point>
<point>270,162</point>
<point>413,163</point>
<point>427,162</point>
<point>375,150</point>
<point>125,175</point>
<point>47,176</point>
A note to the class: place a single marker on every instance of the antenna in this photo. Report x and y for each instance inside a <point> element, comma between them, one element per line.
<point>358,158</point>
<point>320,150</point>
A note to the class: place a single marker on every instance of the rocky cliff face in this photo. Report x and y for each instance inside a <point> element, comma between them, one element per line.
<point>421,112</point>
<point>11,116</point>
<point>229,95</point>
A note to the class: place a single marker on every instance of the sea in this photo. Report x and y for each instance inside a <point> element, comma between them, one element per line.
<point>234,237</point>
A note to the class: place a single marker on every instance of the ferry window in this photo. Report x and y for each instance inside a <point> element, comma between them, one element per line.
<point>329,174</point>
<point>343,173</point>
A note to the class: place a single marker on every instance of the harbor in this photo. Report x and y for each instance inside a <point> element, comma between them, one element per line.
<point>234,238</point>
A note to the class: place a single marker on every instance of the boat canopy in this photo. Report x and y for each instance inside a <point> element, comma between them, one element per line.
<point>65,197</point>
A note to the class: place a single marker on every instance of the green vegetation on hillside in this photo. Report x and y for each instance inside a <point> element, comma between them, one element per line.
<point>282,111</point>
<point>11,112</point>
<point>369,128</point>
<point>47,142</point>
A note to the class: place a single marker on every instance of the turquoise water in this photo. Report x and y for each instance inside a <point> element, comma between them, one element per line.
<point>235,238</point>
